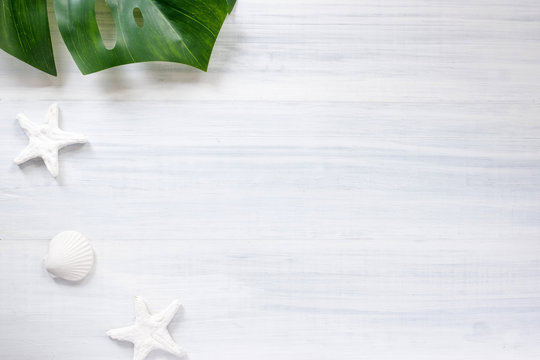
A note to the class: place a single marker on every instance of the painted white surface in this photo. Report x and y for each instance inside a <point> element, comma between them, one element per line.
<point>352,179</point>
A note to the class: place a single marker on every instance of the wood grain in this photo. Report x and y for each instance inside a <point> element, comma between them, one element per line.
<point>350,180</point>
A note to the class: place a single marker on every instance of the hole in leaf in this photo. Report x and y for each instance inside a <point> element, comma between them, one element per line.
<point>106,25</point>
<point>137,15</point>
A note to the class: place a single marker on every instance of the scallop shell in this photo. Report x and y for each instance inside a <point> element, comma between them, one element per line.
<point>70,256</point>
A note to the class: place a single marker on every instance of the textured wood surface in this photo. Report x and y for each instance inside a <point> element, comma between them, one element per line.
<point>352,179</point>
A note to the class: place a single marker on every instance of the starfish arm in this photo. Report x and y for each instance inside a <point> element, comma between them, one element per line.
<point>28,126</point>
<point>52,116</point>
<point>141,310</point>
<point>28,153</point>
<point>165,316</point>
<point>162,340</point>
<point>122,334</point>
<point>51,161</point>
<point>141,351</point>
<point>65,138</point>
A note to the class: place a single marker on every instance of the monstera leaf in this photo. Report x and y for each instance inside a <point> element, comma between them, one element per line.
<point>24,32</point>
<point>182,31</point>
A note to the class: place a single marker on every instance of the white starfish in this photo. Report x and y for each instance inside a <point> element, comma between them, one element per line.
<point>46,139</point>
<point>149,331</point>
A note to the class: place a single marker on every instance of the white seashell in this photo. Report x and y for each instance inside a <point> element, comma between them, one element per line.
<point>70,256</point>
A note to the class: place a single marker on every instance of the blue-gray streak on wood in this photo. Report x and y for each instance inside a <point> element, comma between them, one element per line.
<point>349,180</point>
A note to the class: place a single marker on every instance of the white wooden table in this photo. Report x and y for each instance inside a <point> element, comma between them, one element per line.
<point>352,179</point>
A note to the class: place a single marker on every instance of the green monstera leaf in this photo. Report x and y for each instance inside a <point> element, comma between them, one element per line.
<point>182,31</point>
<point>24,32</point>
